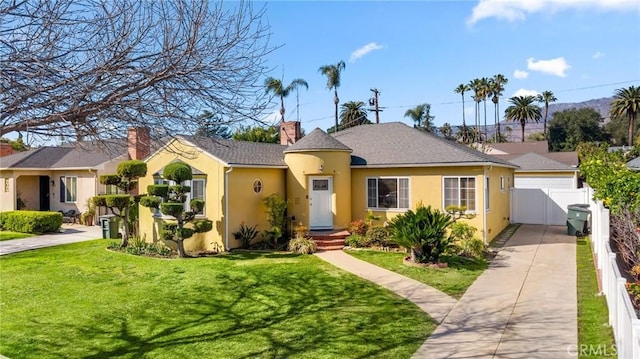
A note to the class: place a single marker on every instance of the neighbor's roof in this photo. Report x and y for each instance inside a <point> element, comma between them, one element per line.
<point>634,164</point>
<point>317,140</point>
<point>537,162</point>
<point>242,153</point>
<point>519,148</point>
<point>568,158</point>
<point>83,155</point>
<point>396,144</point>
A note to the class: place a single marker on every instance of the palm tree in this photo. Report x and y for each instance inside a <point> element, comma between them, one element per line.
<point>333,81</point>
<point>475,85</point>
<point>546,97</point>
<point>447,131</point>
<point>461,89</point>
<point>484,93</point>
<point>420,115</point>
<point>522,110</point>
<point>497,86</point>
<point>275,86</point>
<point>353,113</point>
<point>626,102</point>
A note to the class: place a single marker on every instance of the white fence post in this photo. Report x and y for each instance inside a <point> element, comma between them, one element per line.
<point>622,315</point>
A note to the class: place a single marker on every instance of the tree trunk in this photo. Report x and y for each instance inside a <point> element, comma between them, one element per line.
<point>498,138</point>
<point>485,120</point>
<point>414,255</point>
<point>522,124</point>
<point>335,102</point>
<point>631,125</point>
<point>282,108</point>
<point>125,235</point>
<point>180,244</point>
<point>546,112</point>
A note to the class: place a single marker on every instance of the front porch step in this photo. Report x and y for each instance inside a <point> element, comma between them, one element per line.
<point>329,240</point>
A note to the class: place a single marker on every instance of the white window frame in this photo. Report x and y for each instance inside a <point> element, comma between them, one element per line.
<point>160,180</point>
<point>475,192</point>
<point>397,178</point>
<point>73,190</point>
<point>501,183</point>
<point>487,194</point>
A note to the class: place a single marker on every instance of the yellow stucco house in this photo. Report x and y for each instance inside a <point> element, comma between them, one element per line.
<point>330,180</point>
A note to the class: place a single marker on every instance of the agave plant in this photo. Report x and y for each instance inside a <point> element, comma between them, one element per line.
<point>423,233</point>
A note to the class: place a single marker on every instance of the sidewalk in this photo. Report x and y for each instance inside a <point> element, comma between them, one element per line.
<point>72,233</point>
<point>430,300</point>
<point>523,306</point>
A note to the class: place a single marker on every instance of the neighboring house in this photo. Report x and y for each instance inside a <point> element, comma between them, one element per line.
<point>329,181</point>
<point>634,164</point>
<point>538,171</point>
<point>63,178</point>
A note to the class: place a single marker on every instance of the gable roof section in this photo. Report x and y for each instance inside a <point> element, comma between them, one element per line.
<point>241,153</point>
<point>395,144</point>
<point>634,164</point>
<point>537,162</point>
<point>317,140</point>
<point>568,158</point>
<point>519,148</point>
<point>48,157</point>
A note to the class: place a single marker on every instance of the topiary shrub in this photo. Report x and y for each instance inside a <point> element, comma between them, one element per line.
<point>31,221</point>
<point>177,172</point>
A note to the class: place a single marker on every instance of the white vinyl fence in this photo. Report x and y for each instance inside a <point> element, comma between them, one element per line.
<point>622,316</point>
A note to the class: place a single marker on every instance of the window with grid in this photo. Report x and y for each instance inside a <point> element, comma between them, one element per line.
<point>460,192</point>
<point>388,192</point>
<point>68,189</point>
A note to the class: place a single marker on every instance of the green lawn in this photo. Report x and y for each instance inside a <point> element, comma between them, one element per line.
<point>593,316</point>
<point>453,280</point>
<point>81,300</point>
<point>6,235</point>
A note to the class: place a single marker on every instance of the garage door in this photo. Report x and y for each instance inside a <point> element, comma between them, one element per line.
<point>544,205</point>
<point>566,182</point>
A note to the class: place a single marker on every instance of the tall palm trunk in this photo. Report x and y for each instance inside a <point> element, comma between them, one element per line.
<point>632,120</point>
<point>463,120</point>
<point>498,138</point>
<point>546,112</point>
<point>485,118</point>
<point>522,124</point>
<point>335,102</point>
<point>282,108</point>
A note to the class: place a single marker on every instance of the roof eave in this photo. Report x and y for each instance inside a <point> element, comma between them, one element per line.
<point>442,164</point>
<point>318,150</point>
<point>244,165</point>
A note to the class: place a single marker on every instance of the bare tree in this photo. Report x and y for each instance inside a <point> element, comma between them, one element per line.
<point>88,69</point>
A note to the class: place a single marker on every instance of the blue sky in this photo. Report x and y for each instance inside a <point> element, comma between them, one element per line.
<point>419,51</point>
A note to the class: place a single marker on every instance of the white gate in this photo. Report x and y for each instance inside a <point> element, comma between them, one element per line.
<point>544,205</point>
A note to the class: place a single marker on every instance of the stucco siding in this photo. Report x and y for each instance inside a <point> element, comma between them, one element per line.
<point>499,200</point>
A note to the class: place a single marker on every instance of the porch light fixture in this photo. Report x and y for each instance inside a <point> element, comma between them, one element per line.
<point>53,183</point>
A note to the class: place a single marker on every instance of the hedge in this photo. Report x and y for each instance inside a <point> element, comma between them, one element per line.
<point>31,221</point>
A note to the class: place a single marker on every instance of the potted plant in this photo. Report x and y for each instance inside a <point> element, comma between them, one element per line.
<point>87,217</point>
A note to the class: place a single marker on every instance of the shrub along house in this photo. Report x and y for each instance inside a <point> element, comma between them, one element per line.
<point>330,180</point>
<point>63,178</point>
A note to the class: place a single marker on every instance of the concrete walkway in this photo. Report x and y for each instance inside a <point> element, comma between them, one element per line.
<point>430,300</point>
<point>72,233</point>
<point>523,306</point>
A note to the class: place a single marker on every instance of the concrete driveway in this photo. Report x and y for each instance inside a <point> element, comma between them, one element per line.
<point>523,306</point>
<point>71,233</point>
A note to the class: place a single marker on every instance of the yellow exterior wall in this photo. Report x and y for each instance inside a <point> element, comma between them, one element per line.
<point>304,164</point>
<point>499,200</point>
<point>214,195</point>
<point>245,205</point>
<point>426,186</point>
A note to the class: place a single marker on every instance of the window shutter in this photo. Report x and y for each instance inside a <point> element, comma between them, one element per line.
<point>62,189</point>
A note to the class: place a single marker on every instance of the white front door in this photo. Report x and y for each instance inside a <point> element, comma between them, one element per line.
<point>320,203</point>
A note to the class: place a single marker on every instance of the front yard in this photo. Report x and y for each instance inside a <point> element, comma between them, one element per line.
<point>7,235</point>
<point>81,300</point>
<point>453,280</point>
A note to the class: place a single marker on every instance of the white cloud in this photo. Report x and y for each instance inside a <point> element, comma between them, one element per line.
<point>525,92</point>
<point>372,46</point>
<point>557,66</point>
<point>519,74</point>
<point>597,55</point>
<point>517,10</point>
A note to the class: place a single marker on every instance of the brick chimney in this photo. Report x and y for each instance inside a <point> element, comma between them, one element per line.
<point>290,132</point>
<point>138,143</point>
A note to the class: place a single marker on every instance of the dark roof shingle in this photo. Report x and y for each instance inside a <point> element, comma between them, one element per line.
<point>318,140</point>
<point>241,152</point>
<point>396,144</point>
<point>536,162</point>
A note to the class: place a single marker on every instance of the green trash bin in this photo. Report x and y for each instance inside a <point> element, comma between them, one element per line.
<point>109,225</point>
<point>577,219</point>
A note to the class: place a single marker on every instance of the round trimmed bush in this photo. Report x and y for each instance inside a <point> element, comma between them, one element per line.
<point>160,190</point>
<point>172,209</point>
<point>178,172</point>
<point>132,169</point>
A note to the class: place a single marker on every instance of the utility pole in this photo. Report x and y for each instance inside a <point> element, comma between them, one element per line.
<point>374,102</point>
